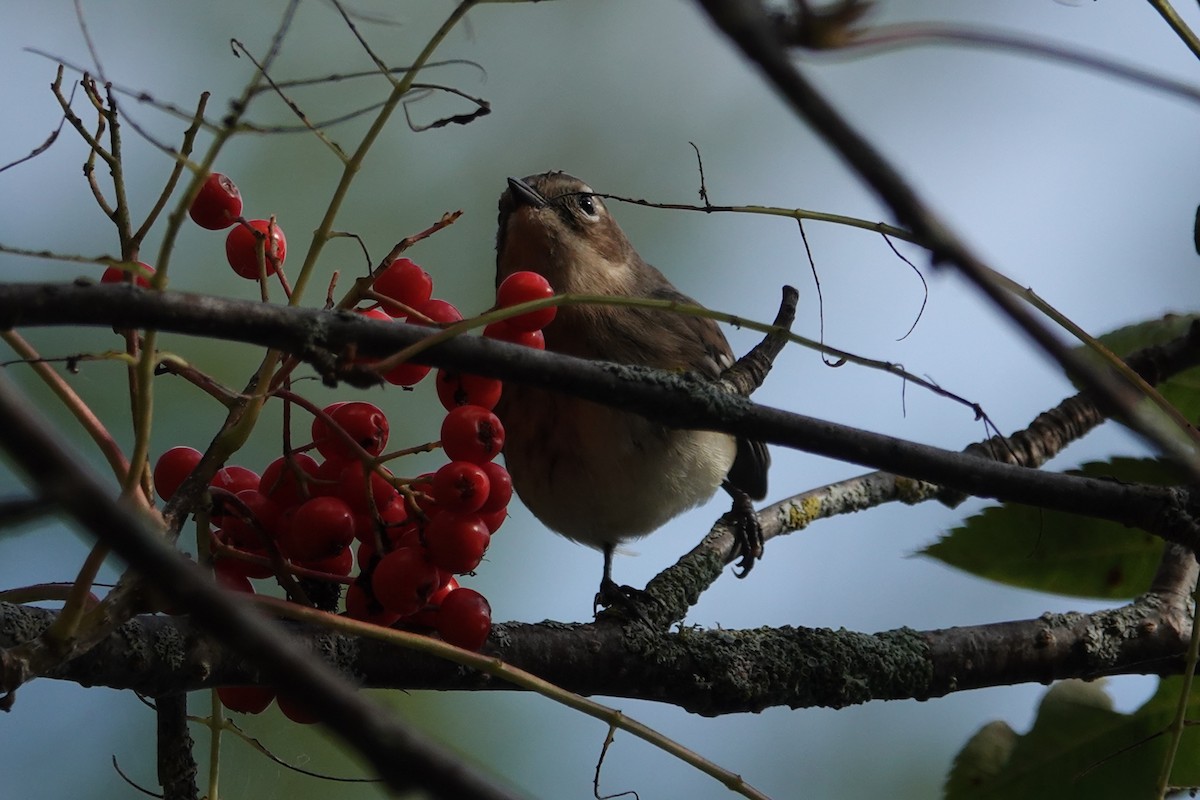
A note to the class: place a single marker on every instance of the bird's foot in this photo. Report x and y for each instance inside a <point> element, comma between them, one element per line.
<point>623,601</point>
<point>747,531</point>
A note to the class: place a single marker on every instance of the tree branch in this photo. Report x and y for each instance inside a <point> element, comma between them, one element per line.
<point>709,672</point>
<point>679,400</point>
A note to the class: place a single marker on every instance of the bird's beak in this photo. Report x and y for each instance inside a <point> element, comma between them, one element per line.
<point>525,195</point>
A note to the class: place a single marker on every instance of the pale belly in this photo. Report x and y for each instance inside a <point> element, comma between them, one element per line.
<point>597,475</point>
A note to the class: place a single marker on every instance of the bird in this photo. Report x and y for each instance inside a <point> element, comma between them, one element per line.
<point>592,473</point>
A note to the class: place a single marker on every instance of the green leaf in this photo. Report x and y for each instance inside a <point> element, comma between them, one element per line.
<point>1067,554</point>
<point>1078,747</point>
<point>1182,390</point>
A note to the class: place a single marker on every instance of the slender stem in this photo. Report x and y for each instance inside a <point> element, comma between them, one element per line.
<point>74,403</point>
<point>518,677</point>
<point>1168,13</point>
<point>79,599</point>
<point>216,723</point>
<point>1185,695</point>
<point>354,163</point>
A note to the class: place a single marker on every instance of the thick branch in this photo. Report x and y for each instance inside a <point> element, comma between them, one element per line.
<point>679,400</point>
<point>705,671</point>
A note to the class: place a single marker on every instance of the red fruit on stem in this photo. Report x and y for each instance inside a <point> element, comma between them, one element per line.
<point>391,517</point>
<point>285,480</point>
<point>494,519</point>
<point>439,311</point>
<point>404,282</point>
<point>247,533</point>
<point>218,205</point>
<point>118,275</point>
<point>173,467</point>
<point>295,709</point>
<point>233,581</point>
<point>460,486</point>
<point>522,287</point>
<point>500,489</point>
<point>246,699</point>
<point>464,389</point>
<point>241,247</point>
<point>506,333</point>
<point>457,542</point>
<point>362,606</point>
<point>353,483</point>
<point>472,433</point>
<point>235,478</point>
<point>339,565</point>
<point>363,422</point>
<point>320,528</point>
<point>403,580</point>
<point>406,373</point>
<point>427,616</point>
<point>376,313</point>
<point>465,619</point>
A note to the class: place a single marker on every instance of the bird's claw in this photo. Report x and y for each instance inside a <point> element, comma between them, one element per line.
<point>623,601</point>
<point>747,532</point>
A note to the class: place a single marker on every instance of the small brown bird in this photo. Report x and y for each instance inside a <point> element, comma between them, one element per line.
<point>592,473</point>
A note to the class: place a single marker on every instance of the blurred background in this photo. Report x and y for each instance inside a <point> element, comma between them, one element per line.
<point>1076,184</point>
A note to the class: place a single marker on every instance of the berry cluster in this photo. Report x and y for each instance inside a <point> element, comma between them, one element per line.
<point>329,513</point>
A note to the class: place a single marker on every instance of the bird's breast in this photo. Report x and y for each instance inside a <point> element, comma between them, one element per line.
<point>598,475</point>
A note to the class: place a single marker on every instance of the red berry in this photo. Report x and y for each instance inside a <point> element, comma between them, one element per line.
<point>361,605</point>
<point>439,311</point>
<point>233,581</point>
<point>234,479</point>
<point>494,519</point>
<point>242,252</point>
<point>457,542</point>
<point>391,517</point>
<point>285,480</point>
<point>404,282</point>
<point>521,287</point>
<point>218,205</point>
<point>363,422</point>
<point>471,433</point>
<point>118,275</point>
<point>406,373</point>
<point>320,528</point>
<point>246,699</point>
<point>295,709</point>
<point>465,619</point>
<point>464,389</point>
<point>499,488</point>
<point>403,580</point>
<point>247,534</point>
<point>460,486</point>
<point>428,615</point>
<point>506,333</point>
<point>376,313</point>
<point>340,565</point>
<point>173,467</point>
<point>353,483</point>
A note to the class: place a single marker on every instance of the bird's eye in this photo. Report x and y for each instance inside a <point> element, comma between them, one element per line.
<point>588,206</point>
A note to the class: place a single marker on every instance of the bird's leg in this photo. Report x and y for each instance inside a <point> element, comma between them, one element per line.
<point>625,600</point>
<point>747,530</point>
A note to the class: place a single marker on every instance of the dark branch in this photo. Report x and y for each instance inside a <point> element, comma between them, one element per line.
<point>709,672</point>
<point>679,400</point>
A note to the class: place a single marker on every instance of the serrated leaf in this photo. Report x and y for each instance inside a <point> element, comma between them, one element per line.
<point>1182,390</point>
<point>1079,747</point>
<point>1067,554</point>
